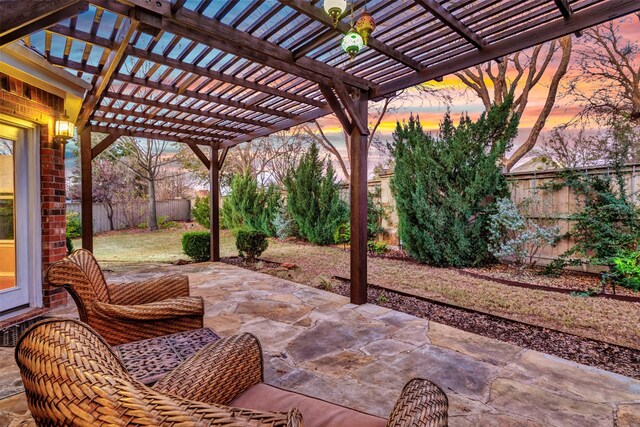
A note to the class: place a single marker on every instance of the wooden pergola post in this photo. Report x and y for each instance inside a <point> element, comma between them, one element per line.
<point>214,203</point>
<point>358,153</point>
<point>87,190</point>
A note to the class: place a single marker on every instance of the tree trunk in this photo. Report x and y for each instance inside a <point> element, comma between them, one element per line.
<point>153,219</point>
<point>109,209</point>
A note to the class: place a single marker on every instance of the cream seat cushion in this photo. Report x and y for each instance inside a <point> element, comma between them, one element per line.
<point>315,412</point>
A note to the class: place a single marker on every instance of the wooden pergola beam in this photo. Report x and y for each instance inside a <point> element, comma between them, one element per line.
<point>151,127</point>
<point>342,28</point>
<point>228,39</point>
<point>20,21</point>
<point>202,96</point>
<point>106,142</point>
<point>166,119</point>
<point>201,71</point>
<point>148,135</point>
<point>448,19</point>
<point>281,125</point>
<point>351,107</point>
<point>86,188</point>
<point>358,148</point>
<point>125,34</point>
<point>223,156</point>
<point>214,204</point>
<point>580,20</point>
<point>199,154</point>
<point>334,103</point>
<point>182,109</point>
<point>564,7</point>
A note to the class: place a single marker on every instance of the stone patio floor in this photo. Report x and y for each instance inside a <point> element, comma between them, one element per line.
<point>361,356</point>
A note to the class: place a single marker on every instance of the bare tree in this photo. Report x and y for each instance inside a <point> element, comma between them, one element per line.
<point>570,147</point>
<point>609,63</point>
<point>377,112</point>
<point>267,159</point>
<point>146,159</point>
<point>516,75</point>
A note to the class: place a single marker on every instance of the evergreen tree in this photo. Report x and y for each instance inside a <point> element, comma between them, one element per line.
<point>250,206</point>
<point>313,198</point>
<point>445,186</point>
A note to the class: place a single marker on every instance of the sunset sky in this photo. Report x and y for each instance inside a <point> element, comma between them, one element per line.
<point>466,101</point>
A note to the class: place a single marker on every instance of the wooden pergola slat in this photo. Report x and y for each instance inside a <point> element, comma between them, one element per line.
<point>452,22</point>
<point>18,22</point>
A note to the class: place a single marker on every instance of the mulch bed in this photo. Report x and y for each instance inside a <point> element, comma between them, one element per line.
<point>568,280</point>
<point>257,266</point>
<point>611,357</point>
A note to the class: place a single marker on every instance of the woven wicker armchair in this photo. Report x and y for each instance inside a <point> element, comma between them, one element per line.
<point>230,372</point>
<point>127,312</point>
<point>73,378</point>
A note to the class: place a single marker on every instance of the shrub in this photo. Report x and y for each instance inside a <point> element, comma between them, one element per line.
<point>164,223</point>
<point>375,214</point>
<point>69,245</point>
<point>608,222</point>
<point>197,245</point>
<point>250,206</point>
<point>313,198</point>
<point>74,225</point>
<point>515,238</point>
<point>251,243</point>
<point>200,211</point>
<point>283,223</point>
<point>377,248</point>
<point>445,186</point>
<point>342,234</point>
<point>625,269</point>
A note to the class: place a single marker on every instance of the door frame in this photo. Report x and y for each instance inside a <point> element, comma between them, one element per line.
<point>30,267</point>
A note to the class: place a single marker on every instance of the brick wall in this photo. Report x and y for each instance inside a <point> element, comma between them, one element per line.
<point>28,102</point>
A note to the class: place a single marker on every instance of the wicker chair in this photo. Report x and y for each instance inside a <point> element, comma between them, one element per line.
<point>72,377</point>
<point>127,312</point>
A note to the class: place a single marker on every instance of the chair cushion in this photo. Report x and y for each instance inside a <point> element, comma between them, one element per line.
<point>315,412</point>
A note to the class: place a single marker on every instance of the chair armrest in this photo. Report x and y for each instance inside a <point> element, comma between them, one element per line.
<point>218,373</point>
<point>146,291</point>
<point>165,309</point>
<point>421,403</point>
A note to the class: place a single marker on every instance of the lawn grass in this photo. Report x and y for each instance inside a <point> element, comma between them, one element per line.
<point>598,318</point>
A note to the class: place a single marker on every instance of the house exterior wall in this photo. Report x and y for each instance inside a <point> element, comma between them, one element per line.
<point>27,102</point>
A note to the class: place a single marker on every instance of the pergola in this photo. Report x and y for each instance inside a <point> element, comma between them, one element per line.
<point>215,73</point>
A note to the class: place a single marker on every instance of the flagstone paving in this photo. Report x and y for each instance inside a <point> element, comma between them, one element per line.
<point>317,343</point>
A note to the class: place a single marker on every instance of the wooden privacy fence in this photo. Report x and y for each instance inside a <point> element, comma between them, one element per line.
<point>548,207</point>
<point>132,214</point>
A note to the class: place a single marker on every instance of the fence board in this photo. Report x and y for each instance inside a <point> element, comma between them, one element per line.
<point>128,215</point>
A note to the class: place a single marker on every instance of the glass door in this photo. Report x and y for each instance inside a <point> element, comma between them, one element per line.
<point>14,291</point>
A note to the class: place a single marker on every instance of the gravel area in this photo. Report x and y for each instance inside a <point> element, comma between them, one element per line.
<point>618,359</point>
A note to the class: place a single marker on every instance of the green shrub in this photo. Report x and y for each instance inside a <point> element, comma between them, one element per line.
<point>313,198</point>
<point>69,245</point>
<point>164,223</point>
<point>200,211</point>
<point>625,269</point>
<point>445,186</point>
<point>375,214</point>
<point>250,206</point>
<point>251,243</point>
<point>377,248</point>
<point>74,225</point>
<point>342,234</point>
<point>197,245</point>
